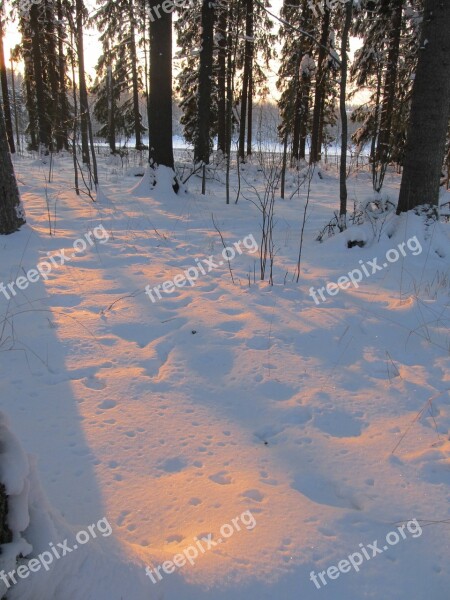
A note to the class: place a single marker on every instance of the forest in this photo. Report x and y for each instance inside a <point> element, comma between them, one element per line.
<point>224,299</point>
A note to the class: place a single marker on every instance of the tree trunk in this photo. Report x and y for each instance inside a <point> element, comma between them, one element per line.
<point>16,112</point>
<point>297,124</point>
<point>344,119</point>
<point>135,80</point>
<point>319,97</point>
<point>250,115</point>
<point>52,71</point>
<point>45,134</point>
<point>231,63</point>
<point>11,217</point>
<point>5,92</point>
<point>111,113</point>
<point>62,137</point>
<point>222,81</point>
<point>202,142</point>
<point>75,118</point>
<point>384,137</point>
<point>304,117</point>
<point>430,108</point>
<point>160,94</point>
<point>248,65</point>
<point>84,105</point>
<point>5,532</point>
<point>30,87</point>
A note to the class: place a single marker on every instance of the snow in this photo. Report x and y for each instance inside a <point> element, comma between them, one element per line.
<point>330,422</point>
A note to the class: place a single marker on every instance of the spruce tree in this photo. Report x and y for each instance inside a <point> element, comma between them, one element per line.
<point>120,30</point>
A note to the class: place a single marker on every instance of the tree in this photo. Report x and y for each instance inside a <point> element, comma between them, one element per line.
<point>343,110</point>
<point>43,34</point>
<point>430,110</point>
<point>4,86</point>
<point>320,89</point>
<point>246,97</point>
<point>118,69</point>
<point>390,35</point>
<point>12,216</point>
<point>63,112</point>
<point>160,94</point>
<point>203,148</point>
<point>296,70</point>
<point>84,104</point>
<point>382,154</point>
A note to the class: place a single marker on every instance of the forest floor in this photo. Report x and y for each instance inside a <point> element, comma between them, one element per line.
<point>328,421</point>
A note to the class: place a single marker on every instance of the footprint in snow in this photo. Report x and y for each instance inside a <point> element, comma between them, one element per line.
<point>222,478</point>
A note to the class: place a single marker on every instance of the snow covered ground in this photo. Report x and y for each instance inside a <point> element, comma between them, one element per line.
<point>328,421</point>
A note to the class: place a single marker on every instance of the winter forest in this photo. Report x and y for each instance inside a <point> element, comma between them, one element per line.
<point>224,299</point>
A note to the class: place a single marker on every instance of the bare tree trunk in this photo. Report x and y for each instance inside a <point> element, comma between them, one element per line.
<point>430,109</point>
